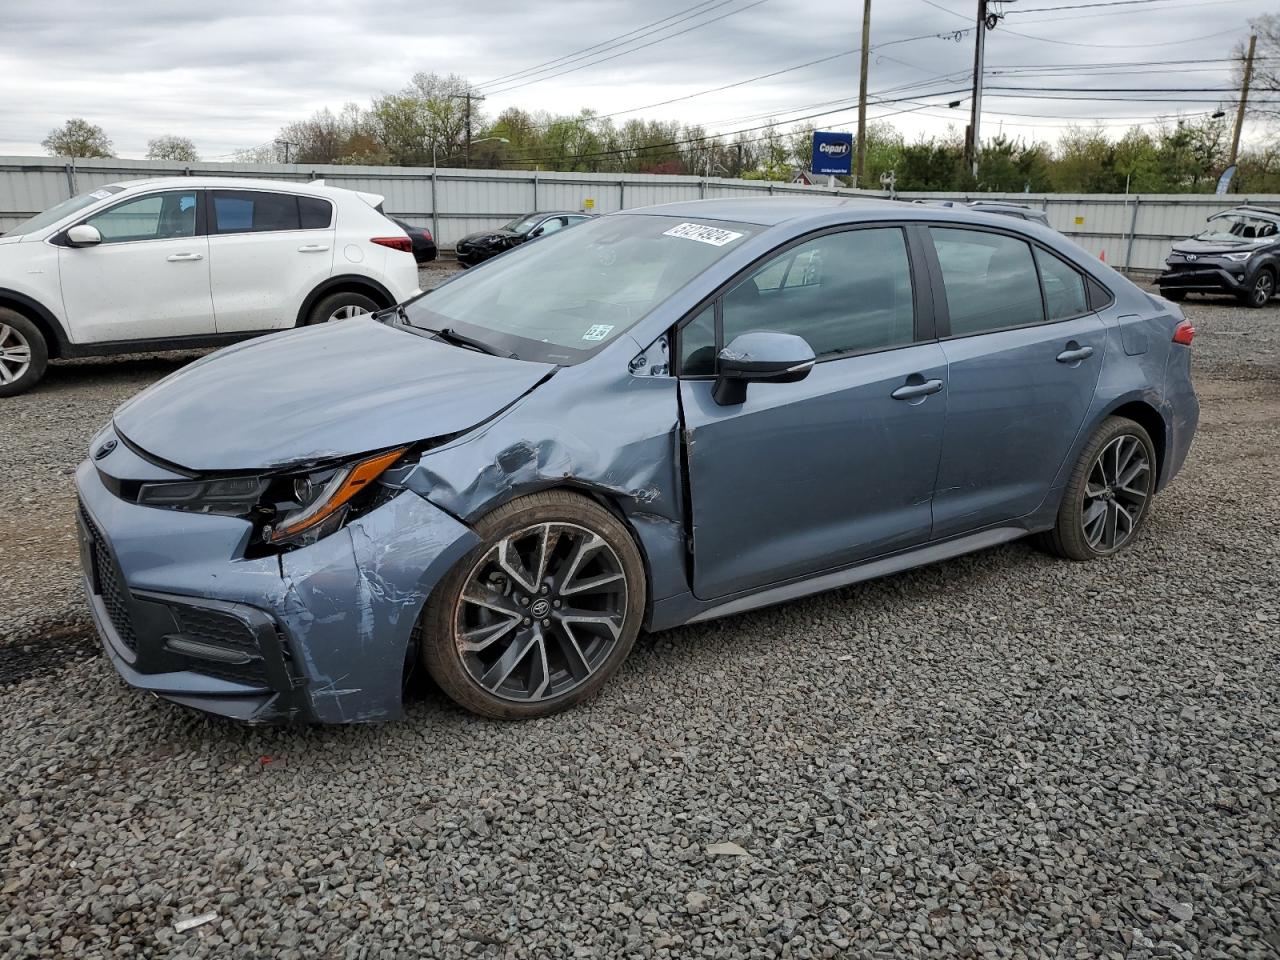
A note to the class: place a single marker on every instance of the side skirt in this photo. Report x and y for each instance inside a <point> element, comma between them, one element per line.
<point>110,348</point>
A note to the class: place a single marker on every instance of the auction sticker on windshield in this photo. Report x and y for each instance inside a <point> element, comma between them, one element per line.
<point>703,234</point>
<point>598,332</point>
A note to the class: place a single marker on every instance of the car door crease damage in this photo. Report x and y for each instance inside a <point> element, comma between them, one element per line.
<point>583,482</point>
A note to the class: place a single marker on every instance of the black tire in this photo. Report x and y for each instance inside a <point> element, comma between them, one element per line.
<point>24,355</point>
<point>330,305</point>
<point>1176,296</point>
<point>1069,537</point>
<point>447,619</point>
<point>1263,289</point>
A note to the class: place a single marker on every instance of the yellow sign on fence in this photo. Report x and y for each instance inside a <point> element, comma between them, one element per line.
<point>588,204</point>
<point>1079,221</point>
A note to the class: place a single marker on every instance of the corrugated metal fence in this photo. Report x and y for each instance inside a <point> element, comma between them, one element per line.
<point>1132,232</point>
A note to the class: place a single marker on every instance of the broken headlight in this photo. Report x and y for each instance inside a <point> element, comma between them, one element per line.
<point>292,509</point>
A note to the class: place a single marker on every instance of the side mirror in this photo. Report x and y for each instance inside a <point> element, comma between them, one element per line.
<point>536,232</point>
<point>83,235</point>
<point>761,355</point>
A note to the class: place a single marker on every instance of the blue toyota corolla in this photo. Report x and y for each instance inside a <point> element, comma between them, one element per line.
<point>661,416</point>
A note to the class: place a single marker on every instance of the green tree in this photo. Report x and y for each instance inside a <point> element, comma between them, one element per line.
<point>77,138</point>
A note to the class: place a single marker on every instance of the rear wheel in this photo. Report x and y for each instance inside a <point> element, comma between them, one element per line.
<point>341,306</point>
<point>538,616</point>
<point>23,353</point>
<point>1108,494</point>
<point>1264,288</point>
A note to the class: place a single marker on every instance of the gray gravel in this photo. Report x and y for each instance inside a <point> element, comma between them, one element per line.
<point>1004,755</point>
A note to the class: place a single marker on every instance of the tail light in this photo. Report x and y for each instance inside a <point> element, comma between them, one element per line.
<point>395,243</point>
<point>1184,333</point>
<point>427,235</point>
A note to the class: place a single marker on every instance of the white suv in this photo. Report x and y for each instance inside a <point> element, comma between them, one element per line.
<point>191,262</point>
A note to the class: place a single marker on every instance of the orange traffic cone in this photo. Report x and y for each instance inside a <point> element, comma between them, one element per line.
<point>1103,256</point>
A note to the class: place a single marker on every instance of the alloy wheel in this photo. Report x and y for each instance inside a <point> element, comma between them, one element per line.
<point>15,354</point>
<point>349,312</point>
<point>540,612</point>
<point>1263,289</point>
<point>1116,494</point>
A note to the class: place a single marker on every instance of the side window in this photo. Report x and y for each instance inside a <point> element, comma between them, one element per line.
<point>844,292</point>
<point>698,344</point>
<point>552,225</point>
<point>159,216</point>
<point>251,211</point>
<point>990,280</point>
<point>1064,290</point>
<point>314,213</point>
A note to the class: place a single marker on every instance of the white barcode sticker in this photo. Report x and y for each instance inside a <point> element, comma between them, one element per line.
<point>703,234</point>
<point>598,332</point>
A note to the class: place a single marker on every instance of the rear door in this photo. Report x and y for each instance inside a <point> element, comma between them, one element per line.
<point>147,279</point>
<point>808,476</point>
<point>1024,352</point>
<point>267,251</point>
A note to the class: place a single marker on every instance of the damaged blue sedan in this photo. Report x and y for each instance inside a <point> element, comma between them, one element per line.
<point>659,417</point>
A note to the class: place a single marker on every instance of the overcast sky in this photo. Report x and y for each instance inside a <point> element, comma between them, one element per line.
<point>229,74</point>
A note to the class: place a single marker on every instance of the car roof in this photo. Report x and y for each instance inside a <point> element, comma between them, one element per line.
<point>772,211</point>
<point>1261,213</point>
<point>255,183</point>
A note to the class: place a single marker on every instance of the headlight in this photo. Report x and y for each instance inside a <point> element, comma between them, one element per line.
<point>1239,257</point>
<point>293,509</point>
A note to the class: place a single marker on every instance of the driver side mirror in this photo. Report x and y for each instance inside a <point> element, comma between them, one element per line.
<point>83,235</point>
<point>536,232</point>
<point>761,355</point>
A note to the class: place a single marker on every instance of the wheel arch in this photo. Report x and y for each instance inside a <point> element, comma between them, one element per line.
<point>1149,417</point>
<point>345,283</point>
<point>55,337</point>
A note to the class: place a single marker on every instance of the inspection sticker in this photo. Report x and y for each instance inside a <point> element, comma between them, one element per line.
<point>598,332</point>
<point>703,234</point>
<point>100,194</point>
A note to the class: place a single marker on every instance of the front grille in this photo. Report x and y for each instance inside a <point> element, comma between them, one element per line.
<point>108,584</point>
<point>214,627</point>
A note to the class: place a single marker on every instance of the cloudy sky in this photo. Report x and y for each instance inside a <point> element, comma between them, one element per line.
<point>229,74</point>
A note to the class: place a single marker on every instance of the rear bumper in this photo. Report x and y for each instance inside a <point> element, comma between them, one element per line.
<point>320,634</point>
<point>1206,278</point>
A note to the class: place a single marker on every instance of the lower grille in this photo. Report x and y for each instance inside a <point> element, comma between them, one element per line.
<point>215,627</point>
<point>109,585</point>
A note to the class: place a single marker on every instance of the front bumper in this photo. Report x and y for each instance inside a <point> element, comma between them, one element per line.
<point>319,634</point>
<point>1208,277</point>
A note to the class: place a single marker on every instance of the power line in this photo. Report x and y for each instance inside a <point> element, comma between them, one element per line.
<point>1109,46</point>
<point>1085,6</point>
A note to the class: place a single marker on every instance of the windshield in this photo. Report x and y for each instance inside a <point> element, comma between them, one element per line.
<point>564,297</point>
<point>1237,228</point>
<point>523,224</point>
<point>63,209</point>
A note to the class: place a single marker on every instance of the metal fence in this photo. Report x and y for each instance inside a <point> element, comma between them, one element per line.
<point>1130,232</point>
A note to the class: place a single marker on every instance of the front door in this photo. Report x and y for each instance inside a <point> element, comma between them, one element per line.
<point>1023,359</point>
<point>809,476</point>
<point>148,278</point>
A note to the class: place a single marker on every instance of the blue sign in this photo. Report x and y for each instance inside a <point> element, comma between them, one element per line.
<point>833,153</point>
<point>1224,182</point>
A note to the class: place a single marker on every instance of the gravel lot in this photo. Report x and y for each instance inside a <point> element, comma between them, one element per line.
<point>1004,755</point>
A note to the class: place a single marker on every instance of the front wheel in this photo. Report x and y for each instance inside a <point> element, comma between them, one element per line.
<point>540,614</point>
<point>1264,288</point>
<point>341,306</point>
<point>1108,494</point>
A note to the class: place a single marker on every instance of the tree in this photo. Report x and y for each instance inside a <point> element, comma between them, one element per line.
<point>77,138</point>
<point>1264,96</point>
<point>171,148</point>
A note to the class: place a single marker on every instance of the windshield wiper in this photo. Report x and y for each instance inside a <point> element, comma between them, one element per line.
<point>449,335</point>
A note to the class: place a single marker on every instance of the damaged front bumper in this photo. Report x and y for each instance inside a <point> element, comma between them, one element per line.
<point>317,634</point>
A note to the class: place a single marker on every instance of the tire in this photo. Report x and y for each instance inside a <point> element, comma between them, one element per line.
<point>1264,288</point>
<point>1075,536</point>
<point>329,307</point>
<point>24,355</point>
<point>500,676</point>
<point>1176,296</point>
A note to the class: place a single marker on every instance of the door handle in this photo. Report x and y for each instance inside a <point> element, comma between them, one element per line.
<point>313,248</point>
<point>180,257</point>
<point>913,391</point>
<point>1075,353</point>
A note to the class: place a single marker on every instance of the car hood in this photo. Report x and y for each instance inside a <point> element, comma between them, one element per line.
<point>481,235</point>
<point>1206,248</point>
<point>318,394</point>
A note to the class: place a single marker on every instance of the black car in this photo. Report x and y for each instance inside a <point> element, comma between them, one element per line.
<point>424,244</point>
<point>1239,253</point>
<point>483,244</point>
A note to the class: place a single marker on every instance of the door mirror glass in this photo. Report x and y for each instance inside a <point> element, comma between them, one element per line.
<point>537,232</point>
<point>760,355</point>
<point>83,235</point>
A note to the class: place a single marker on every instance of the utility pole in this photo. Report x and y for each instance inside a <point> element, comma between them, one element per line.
<point>286,144</point>
<point>1244,99</point>
<point>469,96</point>
<point>862,97</point>
<point>975,115</point>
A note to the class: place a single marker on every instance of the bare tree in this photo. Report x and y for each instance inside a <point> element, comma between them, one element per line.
<point>171,148</point>
<point>1264,96</point>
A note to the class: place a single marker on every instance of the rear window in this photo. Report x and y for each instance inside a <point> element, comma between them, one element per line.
<point>256,211</point>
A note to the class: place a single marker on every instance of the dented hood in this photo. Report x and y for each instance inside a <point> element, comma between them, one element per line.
<point>319,393</point>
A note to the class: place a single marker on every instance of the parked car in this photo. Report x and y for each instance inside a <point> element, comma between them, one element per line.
<point>480,246</point>
<point>190,262</point>
<point>1021,211</point>
<point>1239,253</point>
<point>659,417</point>
<point>424,244</point>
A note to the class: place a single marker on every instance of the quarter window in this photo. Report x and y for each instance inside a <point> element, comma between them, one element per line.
<point>253,211</point>
<point>1064,290</point>
<point>314,213</point>
<point>846,292</point>
<point>990,280</point>
<point>158,216</point>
